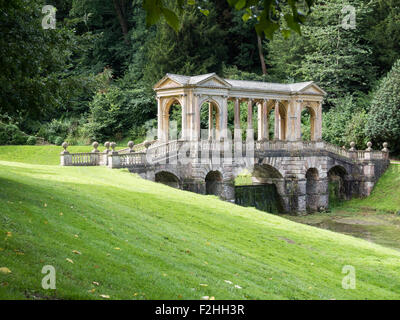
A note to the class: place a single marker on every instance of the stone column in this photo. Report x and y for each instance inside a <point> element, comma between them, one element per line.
<point>318,122</point>
<point>196,111</point>
<point>65,157</point>
<point>368,171</point>
<point>159,120</point>
<point>184,134</point>
<point>260,122</point>
<point>250,130</point>
<point>323,190</point>
<point>265,128</point>
<point>237,131</point>
<point>218,119</point>
<point>210,121</point>
<point>224,120</point>
<point>277,121</point>
<point>165,127</point>
<point>294,120</point>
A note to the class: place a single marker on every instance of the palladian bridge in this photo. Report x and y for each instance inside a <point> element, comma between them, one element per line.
<point>197,147</point>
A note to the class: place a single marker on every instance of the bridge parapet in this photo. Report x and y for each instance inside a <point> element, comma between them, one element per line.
<point>300,169</point>
<point>159,152</point>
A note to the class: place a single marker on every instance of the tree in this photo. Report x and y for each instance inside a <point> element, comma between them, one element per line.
<point>384,117</point>
<point>384,33</point>
<point>269,14</point>
<point>198,47</point>
<point>33,79</point>
<point>338,59</point>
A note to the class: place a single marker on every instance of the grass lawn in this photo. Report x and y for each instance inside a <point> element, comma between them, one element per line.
<point>108,232</point>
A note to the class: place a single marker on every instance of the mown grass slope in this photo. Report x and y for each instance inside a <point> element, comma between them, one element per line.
<point>141,240</point>
<point>385,196</point>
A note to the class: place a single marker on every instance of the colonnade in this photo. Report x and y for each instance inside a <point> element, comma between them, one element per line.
<point>287,117</point>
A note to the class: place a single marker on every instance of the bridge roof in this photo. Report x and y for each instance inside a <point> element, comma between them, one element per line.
<point>212,80</point>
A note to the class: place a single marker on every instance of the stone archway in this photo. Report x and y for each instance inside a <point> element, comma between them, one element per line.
<point>168,178</point>
<point>338,189</point>
<point>214,183</point>
<point>308,119</point>
<point>277,117</point>
<point>175,132</point>
<point>210,120</point>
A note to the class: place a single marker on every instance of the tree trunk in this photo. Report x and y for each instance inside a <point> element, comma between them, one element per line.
<point>261,55</point>
<point>119,6</point>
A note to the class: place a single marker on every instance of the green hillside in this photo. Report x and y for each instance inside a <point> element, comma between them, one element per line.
<point>109,233</point>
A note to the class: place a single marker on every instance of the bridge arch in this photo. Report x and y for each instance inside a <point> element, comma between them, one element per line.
<point>338,188</point>
<point>214,180</point>
<point>266,171</point>
<point>168,178</point>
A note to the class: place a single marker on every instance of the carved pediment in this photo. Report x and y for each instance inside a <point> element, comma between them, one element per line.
<point>215,82</point>
<point>168,83</point>
<point>312,89</point>
<point>212,83</point>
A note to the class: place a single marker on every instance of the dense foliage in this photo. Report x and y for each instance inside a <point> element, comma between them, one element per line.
<point>384,120</point>
<point>92,77</point>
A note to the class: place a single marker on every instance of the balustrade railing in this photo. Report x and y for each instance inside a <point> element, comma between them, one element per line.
<point>154,152</point>
<point>132,159</point>
<point>84,159</point>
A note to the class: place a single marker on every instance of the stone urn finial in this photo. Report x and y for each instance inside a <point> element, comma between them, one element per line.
<point>107,145</point>
<point>385,147</point>
<point>65,146</point>
<point>146,144</point>
<point>369,145</point>
<point>113,145</point>
<point>130,146</point>
<point>95,146</point>
<point>352,146</point>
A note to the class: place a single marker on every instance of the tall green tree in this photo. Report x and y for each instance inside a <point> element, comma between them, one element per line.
<point>384,117</point>
<point>198,47</point>
<point>33,80</point>
<point>331,51</point>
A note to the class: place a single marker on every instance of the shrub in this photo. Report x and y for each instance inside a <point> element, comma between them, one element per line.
<point>384,118</point>
<point>345,122</point>
<point>115,112</point>
<point>31,141</point>
<point>10,134</point>
<point>58,141</point>
<point>57,130</point>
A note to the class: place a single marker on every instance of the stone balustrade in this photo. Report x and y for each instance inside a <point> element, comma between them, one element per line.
<point>152,152</point>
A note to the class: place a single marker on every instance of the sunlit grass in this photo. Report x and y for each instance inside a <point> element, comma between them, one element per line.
<point>141,240</point>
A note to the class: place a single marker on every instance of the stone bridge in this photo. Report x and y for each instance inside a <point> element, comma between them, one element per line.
<point>301,171</point>
<point>200,155</point>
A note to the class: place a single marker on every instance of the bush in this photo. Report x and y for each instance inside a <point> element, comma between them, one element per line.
<point>384,118</point>
<point>58,141</point>
<point>31,141</point>
<point>10,134</point>
<point>57,130</point>
<point>345,122</point>
<point>115,112</point>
